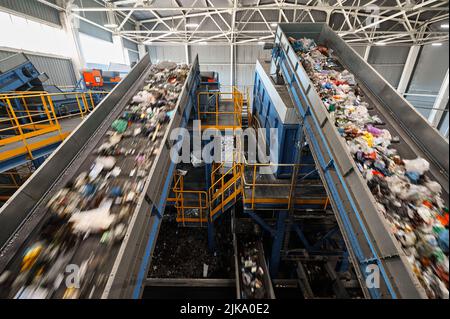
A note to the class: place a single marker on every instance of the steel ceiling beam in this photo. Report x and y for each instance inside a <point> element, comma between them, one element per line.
<point>406,22</point>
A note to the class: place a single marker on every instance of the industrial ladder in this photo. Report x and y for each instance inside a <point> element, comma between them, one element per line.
<point>196,208</point>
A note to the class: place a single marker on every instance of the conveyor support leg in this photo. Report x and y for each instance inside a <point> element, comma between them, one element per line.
<point>278,243</point>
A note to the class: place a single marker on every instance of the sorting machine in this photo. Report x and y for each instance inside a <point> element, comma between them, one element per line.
<point>18,73</point>
<point>365,231</point>
<point>23,215</point>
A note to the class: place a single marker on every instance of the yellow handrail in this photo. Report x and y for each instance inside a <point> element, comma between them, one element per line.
<point>214,116</point>
<point>200,200</point>
<point>36,118</point>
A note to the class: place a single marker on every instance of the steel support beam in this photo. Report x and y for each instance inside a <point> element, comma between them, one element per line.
<point>366,53</point>
<point>278,243</point>
<point>440,104</point>
<point>408,69</point>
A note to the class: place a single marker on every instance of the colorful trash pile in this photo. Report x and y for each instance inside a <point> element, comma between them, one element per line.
<point>89,217</point>
<point>409,200</point>
<point>252,273</point>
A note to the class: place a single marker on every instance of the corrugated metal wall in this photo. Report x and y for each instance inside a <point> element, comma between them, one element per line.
<point>133,56</point>
<point>214,58</point>
<point>97,17</point>
<point>389,61</point>
<point>175,53</point>
<point>428,76</point>
<point>246,56</point>
<point>60,71</point>
<point>130,45</point>
<point>96,32</point>
<point>34,9</point>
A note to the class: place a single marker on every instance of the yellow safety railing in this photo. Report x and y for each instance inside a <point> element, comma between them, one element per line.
<point>19,128</point>
<point>188,201</point>
<point>286,189</point>
<point>215,119</point>
<point>224,191</point>
<point>244,89</point>
<point>84,100</point>
<point>232,181</point>
<point>246,97</point>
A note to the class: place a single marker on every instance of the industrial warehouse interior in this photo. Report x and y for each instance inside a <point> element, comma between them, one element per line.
<point>224,149</point>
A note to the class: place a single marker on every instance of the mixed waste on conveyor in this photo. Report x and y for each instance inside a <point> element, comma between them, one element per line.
<point>410,200</point>
<point>252,272</point>
<point>89,217</point>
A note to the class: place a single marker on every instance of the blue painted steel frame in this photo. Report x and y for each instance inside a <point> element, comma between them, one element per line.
<point>304,110</point>
<point>22,159</point>
<point>277,244</point>
<point>269,118</point>
<point>15,78</point>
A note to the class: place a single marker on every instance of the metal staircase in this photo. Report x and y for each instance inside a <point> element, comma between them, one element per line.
<point>224,191</point>
<point>196,208</point>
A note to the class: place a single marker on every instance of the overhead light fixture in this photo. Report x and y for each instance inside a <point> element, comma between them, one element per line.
<point>110,25</point>
<point>444,26</point>
<point>436,44</point>
<point>273,25</point>
<point>380,43</point>
<point>203,43</point>
<point>261,43</point>
<point>191,25</point>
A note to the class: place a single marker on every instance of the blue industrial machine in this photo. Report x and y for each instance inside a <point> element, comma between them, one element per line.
<point>295,218</point>
<point>366,234</point>
<point>273,109</point>
<point>210,81</point>
<point>18,74</point>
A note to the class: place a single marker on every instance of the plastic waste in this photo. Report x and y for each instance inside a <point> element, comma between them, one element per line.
<point>408,199</point>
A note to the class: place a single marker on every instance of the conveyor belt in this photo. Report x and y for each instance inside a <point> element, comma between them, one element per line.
<point>125,267</point>
<point>245,241</point>
<point>365,230</point>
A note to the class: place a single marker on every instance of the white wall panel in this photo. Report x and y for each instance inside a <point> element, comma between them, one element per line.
<point>430,70</point>
<point>389,61</point>
<point>248,53</point>
<point>175,53</point>
<point>223,70</point>
<point>209,54</point>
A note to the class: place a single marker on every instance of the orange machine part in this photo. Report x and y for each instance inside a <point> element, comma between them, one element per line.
<point>93,78</point>
<point>115,80</point>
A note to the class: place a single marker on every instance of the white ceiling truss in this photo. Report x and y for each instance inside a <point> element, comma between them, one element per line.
<point>254,21</point>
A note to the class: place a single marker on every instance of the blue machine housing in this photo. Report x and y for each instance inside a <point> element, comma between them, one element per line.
<point>273,110</point>
<point>17,73</point>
